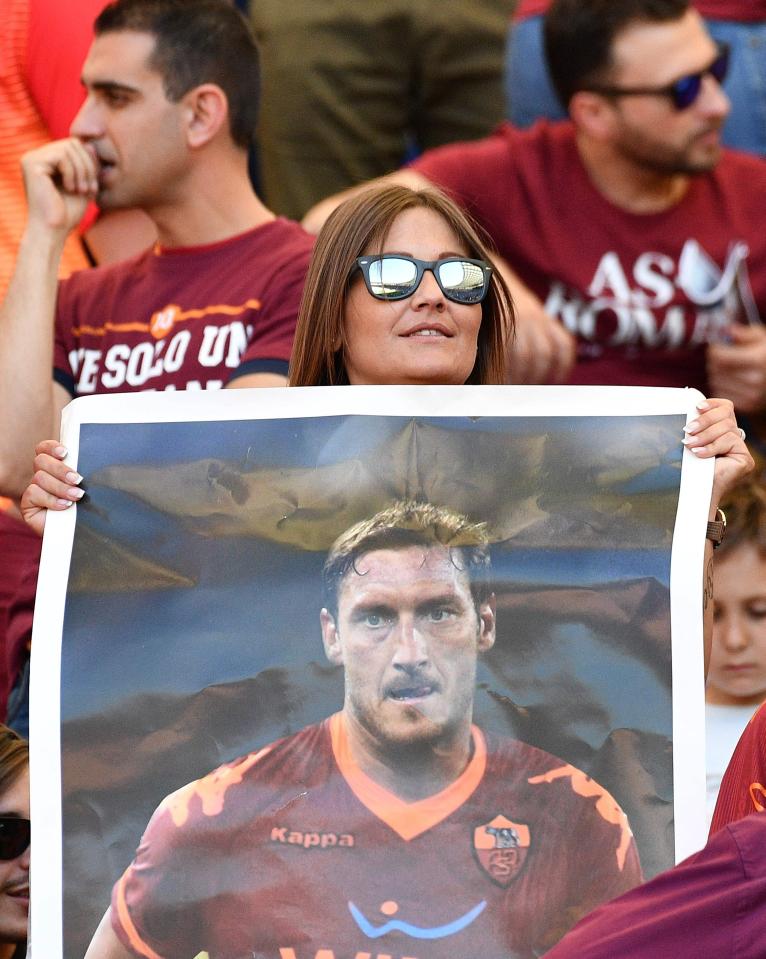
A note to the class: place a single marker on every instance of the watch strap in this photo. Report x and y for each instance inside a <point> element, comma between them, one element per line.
<point>716,528</point>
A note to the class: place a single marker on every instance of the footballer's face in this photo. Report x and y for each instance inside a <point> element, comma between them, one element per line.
<point>407,634</point>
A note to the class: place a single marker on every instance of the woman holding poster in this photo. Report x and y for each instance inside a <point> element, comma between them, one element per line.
<point>401,292</point>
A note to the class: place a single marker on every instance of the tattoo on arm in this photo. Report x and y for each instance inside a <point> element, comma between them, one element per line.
<point>707,588</point>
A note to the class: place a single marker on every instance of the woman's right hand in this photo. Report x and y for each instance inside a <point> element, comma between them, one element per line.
<point>54,485</point>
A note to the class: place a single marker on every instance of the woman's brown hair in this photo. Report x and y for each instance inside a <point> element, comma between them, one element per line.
<point>353,229</point>
<point>14,757</point>
<point>745,510</point>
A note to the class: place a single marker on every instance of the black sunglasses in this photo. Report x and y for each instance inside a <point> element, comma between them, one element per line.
<point>14,836</point>
<point>394,276</point>
<point>684,91</point>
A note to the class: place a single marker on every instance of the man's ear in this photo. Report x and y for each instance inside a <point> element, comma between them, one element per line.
<point>207,111</point>
<point>592,114</point>
<point>487,621</point>
<point>330,638</point>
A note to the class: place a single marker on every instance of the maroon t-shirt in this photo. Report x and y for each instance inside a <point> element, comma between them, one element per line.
<point>711,906</point>
<point>191,318</point>
<point>20,552</point>
<point>530,8</point>
<point>643,293</point>
<point>745,11</point>
<point>293,852</point>
<point>743,787</point>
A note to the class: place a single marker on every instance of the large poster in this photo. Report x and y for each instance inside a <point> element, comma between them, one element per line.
<point>420,757</point>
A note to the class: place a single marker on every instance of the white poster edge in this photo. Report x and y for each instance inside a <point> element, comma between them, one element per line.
<point>309,402</point>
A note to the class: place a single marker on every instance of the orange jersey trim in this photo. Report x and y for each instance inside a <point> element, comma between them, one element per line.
<point>137,944</point>
<point>407,819</point>
<point>758,796</point>
<point>179,316</point>
<point>606,806</point>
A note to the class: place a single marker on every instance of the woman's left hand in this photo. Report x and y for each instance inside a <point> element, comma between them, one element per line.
<point>715,433</point>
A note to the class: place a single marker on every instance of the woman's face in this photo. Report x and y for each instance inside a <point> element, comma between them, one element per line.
<point>423,339</point>
<point>737,674</point>
<point>14,873</point>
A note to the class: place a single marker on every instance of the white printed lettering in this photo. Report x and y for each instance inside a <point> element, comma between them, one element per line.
<point>238,338</point>
<point>610,277</point>
<point>176,351</point>
<point>651,272</point>
<point>213,343</point>
<point>75,358</point>
<point>140,364</point>
<point>115,366</point>
<point>88,371</point>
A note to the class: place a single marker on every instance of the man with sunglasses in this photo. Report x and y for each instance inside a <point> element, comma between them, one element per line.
<point>628,223</point>
<point>14,844</point>
<point>710,905</point>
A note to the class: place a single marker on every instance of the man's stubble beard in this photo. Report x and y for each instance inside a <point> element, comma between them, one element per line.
<point>395,738</point>
<point>669,161</point>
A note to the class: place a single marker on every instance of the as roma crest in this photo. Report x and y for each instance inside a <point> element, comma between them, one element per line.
<point>501,848</point>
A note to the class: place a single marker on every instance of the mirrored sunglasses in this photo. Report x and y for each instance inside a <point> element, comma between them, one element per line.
<point>14,836</point>
<point>682,92</point>
<point>393,276</point>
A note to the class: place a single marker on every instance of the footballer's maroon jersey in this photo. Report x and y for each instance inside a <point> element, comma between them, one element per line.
<point>293,852</point>
<point>743,787</point>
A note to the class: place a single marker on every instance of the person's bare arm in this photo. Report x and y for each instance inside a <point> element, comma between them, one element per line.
<point>105,944</point>
<point>737,370</point>
<point>715,433</point>
<point>314,220</point>
<point>59,178</point>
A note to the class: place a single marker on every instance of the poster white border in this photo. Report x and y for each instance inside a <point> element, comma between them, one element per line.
<point>305,402</point>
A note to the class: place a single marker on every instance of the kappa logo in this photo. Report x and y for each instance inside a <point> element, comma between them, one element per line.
<point>310,840</point>
<point>501,847</point>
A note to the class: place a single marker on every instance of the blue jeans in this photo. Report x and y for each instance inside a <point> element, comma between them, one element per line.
<point>746,83</point>
<point>528,91</point>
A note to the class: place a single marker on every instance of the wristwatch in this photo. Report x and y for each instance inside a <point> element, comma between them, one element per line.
<point>716,528</point>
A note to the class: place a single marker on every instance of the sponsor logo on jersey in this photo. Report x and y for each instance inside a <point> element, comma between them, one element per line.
<point>501,847</point>
<point>415,930</point>
<point>287,952</point>
<point>310,839</point>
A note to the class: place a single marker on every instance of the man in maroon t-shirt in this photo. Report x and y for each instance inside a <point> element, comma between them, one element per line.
<point>170,112</point>
<point>710,906</point>
<point>628,224</point>
<point>743,787</point>
<point>396,826</point>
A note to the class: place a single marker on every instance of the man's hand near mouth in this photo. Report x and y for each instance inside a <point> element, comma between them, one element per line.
<point>60,179</point>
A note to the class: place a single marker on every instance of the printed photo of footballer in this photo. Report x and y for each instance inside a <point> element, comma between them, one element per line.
<point>395,827</point>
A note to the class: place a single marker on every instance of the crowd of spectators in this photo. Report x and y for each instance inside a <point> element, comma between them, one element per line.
<point>625,241</point>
